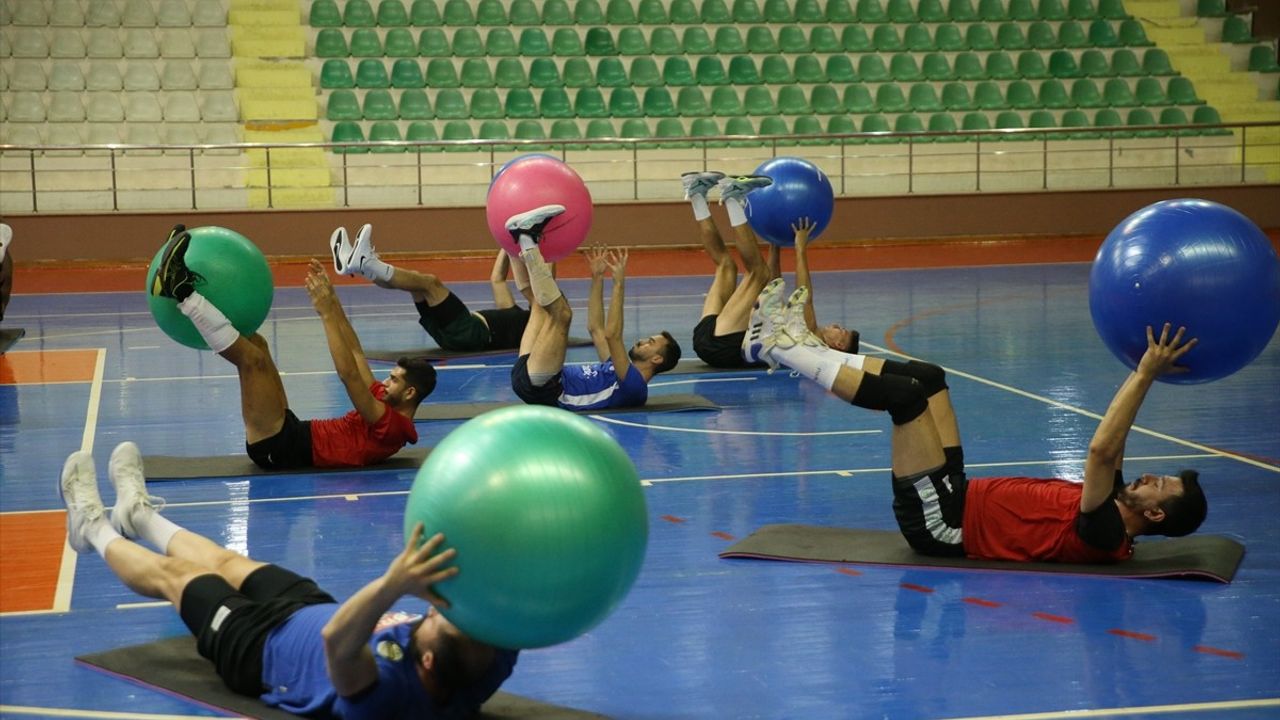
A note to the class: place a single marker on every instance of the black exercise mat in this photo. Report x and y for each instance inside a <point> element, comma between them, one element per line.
<point>675,402</point>
<point>1206,557</point>
<point>437,354</point>
<point>173,667</point>
<point>176,467</point>
<point>10,336</point>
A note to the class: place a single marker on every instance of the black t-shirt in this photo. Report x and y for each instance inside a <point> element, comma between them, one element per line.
<point>1103,527</point>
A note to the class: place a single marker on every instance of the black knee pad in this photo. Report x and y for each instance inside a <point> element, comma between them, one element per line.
<point>931,377</point>
<point>902,396</point>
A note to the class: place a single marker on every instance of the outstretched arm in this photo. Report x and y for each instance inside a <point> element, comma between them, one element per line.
<point>617,260</point>
<point>344,346</point>
<point>1106,450</point>
<point>502,297</point>
<point>802,228</point>
<point>597,263</point>
<point>415,570</point>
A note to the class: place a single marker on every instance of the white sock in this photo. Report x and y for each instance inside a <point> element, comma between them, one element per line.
<point>545,289</point>
<point>212,325</point>
<point>374,270</point>
<point>526,242</point>
<point>701,211</point>
<point>154,529</point>
<point>100,534</point>
<point>817,365</point>
<point>736,212</point>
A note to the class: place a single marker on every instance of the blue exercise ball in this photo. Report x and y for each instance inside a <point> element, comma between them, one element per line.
<point>515,160</point>
<point>1192,263</point>
<point>800,189</point>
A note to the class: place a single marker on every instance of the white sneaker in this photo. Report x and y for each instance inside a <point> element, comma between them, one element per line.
<point>126,476</point>
<point>361,252</point>
<point>79,492</point>
<point>341,247</point>
<point>794,323</point>
<point>533,222</point>
<point>699,183</point>
<point>764,325</point>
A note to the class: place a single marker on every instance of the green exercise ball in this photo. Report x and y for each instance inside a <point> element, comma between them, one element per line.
<point>237,281</point>
<point>548,518</point>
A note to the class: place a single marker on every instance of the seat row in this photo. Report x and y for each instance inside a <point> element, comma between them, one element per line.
<point>728,40</point>
<point>114,43</point>
<point>427,13</point>
<point>111,133</point>
<point>108,13</point>
<point>726,101</point>
<point>74,107</point>
<point>170,74</point>
<point>742,70</point>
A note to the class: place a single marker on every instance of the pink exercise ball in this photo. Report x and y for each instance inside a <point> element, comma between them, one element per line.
<point>532,183</point>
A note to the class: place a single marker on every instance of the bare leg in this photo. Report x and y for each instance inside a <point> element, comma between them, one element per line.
<point>916,445</point>
<point>736,312</point>
<point>150,574</point>
<point>262,398</point>
<point>550,340</point>
<point>726,277</point>
<point>502,297</point>
<point>424,287</point>
<point>200,551</point>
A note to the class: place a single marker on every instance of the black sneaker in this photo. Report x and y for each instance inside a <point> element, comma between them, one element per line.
<point>533,222</point>
<point>173,278</point>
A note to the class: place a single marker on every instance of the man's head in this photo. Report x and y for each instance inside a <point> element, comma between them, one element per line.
<point>661,352</point>
<point>1172,505</point>
<point>448,662</point>
<point>839,337</point>
<point>410,382</point>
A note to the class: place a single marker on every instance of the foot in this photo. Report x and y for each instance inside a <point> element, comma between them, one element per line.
<point>79,492</point>
<point>699,183</point>
<point>173,278</point>
<point>533,222</point>
<point>340,245</point>
<point>361,252</point>
<point>738,186</point>
<point>126,476</point>
<point>763,328</point>
<point>793,320</point>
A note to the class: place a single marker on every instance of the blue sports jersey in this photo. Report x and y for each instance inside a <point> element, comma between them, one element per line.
<point>293,666</point>
<point>592,386</point>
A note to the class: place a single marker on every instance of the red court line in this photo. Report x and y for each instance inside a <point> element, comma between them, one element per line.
<point>1053,618</point>
<point>917,588</point>
<point>36,367</point>
<point>848,571</point>
<point>31,546</point>
<point>1132,635</point>
<point>722,535</point>
<point>982,603</point>
<point>672,518</point>
<point>1219,652</point>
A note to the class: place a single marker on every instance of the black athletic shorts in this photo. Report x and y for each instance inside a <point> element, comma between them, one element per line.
<point>930,509</point>
<point>289,448</point>
<point>231,627</point>
<point>506,326</point>
<point>722,351</point>
<point>452,325</point>
<point>548,394</point>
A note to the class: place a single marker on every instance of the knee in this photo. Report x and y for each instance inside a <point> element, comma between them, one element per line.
<point>259,342</point>
<point>931,377</point>
<point>560,312</point>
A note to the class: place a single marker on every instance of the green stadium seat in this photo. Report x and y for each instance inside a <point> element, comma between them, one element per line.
<point>987,96</point>
<point>414,105</point>
<point>578,73</point>
<point>725,102</point>
<point>1125,63</point>
<point>620,12</point>
<point>759,101</point>
<point>476,73</point>
<point>1022,11</point>
<point>955,96</point>
<point>825,100</point>
<point>889,98</point>
<point>778,11</point>
<point>943,123</point>
<point>1085,94</point>
<point>1000,66</point>
<point>1112,10</point>
<point>1053,10</point>
<point>1072,34</point>
<point>554,103</point>
<point>611,73</point>
<point>808,69</point>
<point>760,40</point>
<point>791,39</point>
<point>458,130</point>
<point>365,43</point>
<point>510,74</point>
<point>631,42</point>
<point>775,71</point>
<point>901,12</point>
<point>500,43</point>
<point>336,74</point>
<point>992,10</point>
<point>451,105</point>
<point>1150,91</point>
<point>715,12</point>
<point>975,121</point>
<point>1020,95</point>
<point>358,13</point>
<point>692,103</point>
<point>589,103</point>
<point>1093,63</point>
<point>1262,58</point>
<point>808,125</point>
<point>729,41</point>
<point>793,101</point>
<point>708,127</point>
<point>857,99</point>
<point>623,103</point>
<point>534,43</point>
<point>1042,119</point>
<point>325,13</point>
<point>422,132</point>
<point>855,39</point>
<point>936,67</point>
<point>1211,8</point>
<point>424,13</point>
<point>1208,115</point>
<point>910,123</point>
<point>342,105</point>
<point>823,39</point>
<point>529,129</point>
<point>1062,64</point>
<point>1132,34</point>
<point>840,69</point>
<point>1102,34</point>
<point>696,41</point>
<point>371,73</point>
<point>645,72</point>
<point>1173,116</point>
<point>400,43</point>
<point>924,98</point>
<point>903,68</point>
<point>405,74</point>
<point>458,13</point>
<point>565,42</point>
<point>969,67</point>
<point>432,42</point>
<point>877,124</point>
<point>658,103</point>
<point>676,71</point>
<point>652,12</point>
<point>442,74</point>
<point>1009,36</point>
<point>962,11</point>
<point>525,13</point>
<point>378,105</point>
<point>556,12</point>
<point>1082,10</point>
<point>684,12</point>
<point>885,38</point>
<point>671,128</point>
<point>391,13</point>
<point>1076,119</point>
<point>467,42</point>
<point>1054,95</point>
<point>872,11</point>
<point>931,11</point>
<point>543,73</point>
<point>710,71</point>
<point>1031,65</point>
<point>948,38</point>
<point>1010,120</point>
<point>747,11</point>
<point>331,43</point>
<point>871,68</point>
<point>841,125</point>
<point>840,11</point>
<point>663,41</point>
<point>1117,93</point>
<point>348,131</point>
<point>978,37</point>
<point>565,129</point>
<point>1182,92</point>
<point>1142,117</point>
<point>588,12</point>
<point>916,38</point>
<point>742,71</point>
<point>1235,29</point>
<point>1156,62</point>
<point>1040,35</point>
<point>776,126</point>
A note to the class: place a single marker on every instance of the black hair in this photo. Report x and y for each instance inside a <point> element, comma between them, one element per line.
<point>419,374</point>
<point>1183,513</point>
<point>670,356</point>
<point>854,338</point>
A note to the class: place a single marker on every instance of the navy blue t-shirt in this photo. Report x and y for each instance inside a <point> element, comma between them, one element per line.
<point>592,386</point>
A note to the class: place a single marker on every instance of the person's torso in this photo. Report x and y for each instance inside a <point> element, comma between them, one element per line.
<point>349,441</point>
<point>1029,519</point>
<point>592,386</point>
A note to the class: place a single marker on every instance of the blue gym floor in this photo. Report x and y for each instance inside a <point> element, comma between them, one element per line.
<point>701,637</point>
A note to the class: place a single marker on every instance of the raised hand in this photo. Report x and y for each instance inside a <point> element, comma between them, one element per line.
<point>597,260</point>
<point>617,260</point>
<point>416,570</point>
<point>319,287</point>
<point>802,228</point>
<point>1163,353</point>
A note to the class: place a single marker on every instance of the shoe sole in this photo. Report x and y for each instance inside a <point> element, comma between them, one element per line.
<point>171,249</point>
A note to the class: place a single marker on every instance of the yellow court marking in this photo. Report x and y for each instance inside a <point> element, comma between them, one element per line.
<point>7,710</point>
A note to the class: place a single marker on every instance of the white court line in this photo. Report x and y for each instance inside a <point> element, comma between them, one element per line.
<point>1095,416</point>
<point>1149,710</point>
<point>701,380</point>
<point>30,711</point>
<point>67,570</point>
<point>147,604</point>
<point>650,426</point>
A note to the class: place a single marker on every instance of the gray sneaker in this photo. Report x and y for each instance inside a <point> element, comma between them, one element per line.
<point>739,186</point>
<point>79,492</point>
<point>126,476</point>
<point>533,222</point>
<point>765,324</point>
<point>699,183</point>
<point>794,323</point>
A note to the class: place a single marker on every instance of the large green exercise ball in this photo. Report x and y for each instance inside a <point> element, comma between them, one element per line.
<point>548,518</point>
<point>236,280</point>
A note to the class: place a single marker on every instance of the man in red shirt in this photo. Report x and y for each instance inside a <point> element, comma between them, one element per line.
<point>939,511</point>
<point>379,426</point>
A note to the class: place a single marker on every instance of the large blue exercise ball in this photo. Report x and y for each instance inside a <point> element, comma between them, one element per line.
<point>800,189</point>
<point>548,517</point>
<point>1192,263</point>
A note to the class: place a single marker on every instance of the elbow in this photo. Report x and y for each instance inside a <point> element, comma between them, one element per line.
<point>1104,452</point>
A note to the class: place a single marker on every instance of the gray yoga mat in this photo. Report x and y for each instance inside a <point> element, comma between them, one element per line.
<point>174,467</point>
<point>439,354</point>
<point>10,336</point>
<point>173,667</point>
<point>1206,557</point>
<point>675,402</point>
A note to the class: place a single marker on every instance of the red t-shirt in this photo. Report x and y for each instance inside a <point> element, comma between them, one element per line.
<point>349,441</point>
<point>1030,519</point>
